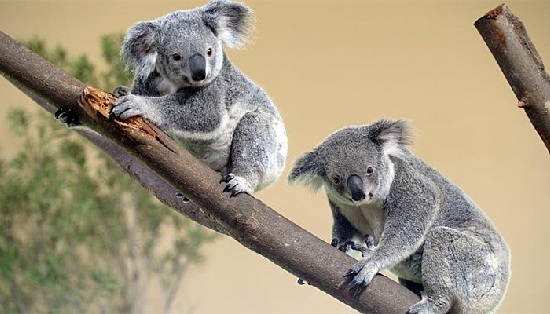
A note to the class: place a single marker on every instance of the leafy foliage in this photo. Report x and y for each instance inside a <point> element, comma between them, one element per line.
<point>77,234</point>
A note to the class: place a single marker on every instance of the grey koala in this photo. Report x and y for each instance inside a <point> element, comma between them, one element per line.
<point>421,226</point>
<point>186,85</point>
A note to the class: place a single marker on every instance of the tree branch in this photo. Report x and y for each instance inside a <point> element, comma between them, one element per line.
<point>244,218</point>
<point>521,64</point>
<point>51,87</point>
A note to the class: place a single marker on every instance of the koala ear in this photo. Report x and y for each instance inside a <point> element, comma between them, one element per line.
<point>307,170</point>
<point>390,134</point>
<point>230,21</point>
<point>139,44</point>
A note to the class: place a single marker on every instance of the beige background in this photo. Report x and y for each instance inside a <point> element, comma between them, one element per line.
<point>328,64</point>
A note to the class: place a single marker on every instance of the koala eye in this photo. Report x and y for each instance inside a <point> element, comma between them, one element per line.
<point>336,180</point>
<point>209,52</point>
<point>176,57</point>
<point>370,170</point>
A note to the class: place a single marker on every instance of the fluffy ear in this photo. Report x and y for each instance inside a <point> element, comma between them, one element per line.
<point>307,170</point>
<point>139,44</point>
<point>390,134</point>
<point>230,21</point>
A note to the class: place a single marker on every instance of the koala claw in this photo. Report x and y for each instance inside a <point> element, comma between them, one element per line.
<point>227,178</point>
<point>67,117</point>
<point>356,285</point>
<point>369,241</point>
<point>350,244</point>
<point>356,290</point>
<point>234,184</point>
<point>182,197</point>
<point>358,277</point>
<point>231,187</point>
<point>121,91</point>
<point>128,106</point>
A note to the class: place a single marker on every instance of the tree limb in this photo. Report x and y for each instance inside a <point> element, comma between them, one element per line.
<point>52,88</point>
<point>521,64</point>
<point>244,218</point>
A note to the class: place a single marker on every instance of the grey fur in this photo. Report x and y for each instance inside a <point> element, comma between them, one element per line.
<point>425,229</point>
<point>216,112</point>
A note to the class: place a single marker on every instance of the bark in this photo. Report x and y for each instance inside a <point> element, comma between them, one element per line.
<point>169,167</point>
<point>521,64</point>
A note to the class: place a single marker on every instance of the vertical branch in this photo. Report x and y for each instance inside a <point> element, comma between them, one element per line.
<point>176,284</point>
<point>521,64</point>
<point>133,275</point>
<point>147,270</point>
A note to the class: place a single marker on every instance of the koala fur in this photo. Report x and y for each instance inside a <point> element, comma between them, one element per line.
<point>424,228</point>
<point>186,85</point>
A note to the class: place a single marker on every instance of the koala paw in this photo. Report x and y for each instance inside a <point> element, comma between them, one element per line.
<point>129,106</point>
<point>431,304</point>
<point>67,116</point>
<point>182,197</point>
<point>121,91</point>
<point>345,246</point>
<point>359,276</point>
<point>369,241</point>
<point>235,184</point>
<point>301,282</point>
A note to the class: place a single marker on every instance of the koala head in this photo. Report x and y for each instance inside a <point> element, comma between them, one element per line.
<point>353,164</point>
<point>185,47</point>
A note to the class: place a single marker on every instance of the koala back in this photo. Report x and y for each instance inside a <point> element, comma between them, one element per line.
<point>377,154</point>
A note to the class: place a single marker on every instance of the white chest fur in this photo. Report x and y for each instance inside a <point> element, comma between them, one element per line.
<point>367,218</point>
<point>166,87</point>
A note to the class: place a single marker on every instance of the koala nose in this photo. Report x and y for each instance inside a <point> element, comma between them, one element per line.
<point>197,66</point>
<point>355,185</point>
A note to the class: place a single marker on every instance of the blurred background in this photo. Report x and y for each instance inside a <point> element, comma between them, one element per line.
<point>74,239</point>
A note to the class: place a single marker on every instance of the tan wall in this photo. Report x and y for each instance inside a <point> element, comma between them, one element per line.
<point>328,64</point>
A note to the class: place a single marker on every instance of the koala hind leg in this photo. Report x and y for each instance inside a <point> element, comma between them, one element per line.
<point>456,273</point>
<point>254,152</point>
<point>67,116</point>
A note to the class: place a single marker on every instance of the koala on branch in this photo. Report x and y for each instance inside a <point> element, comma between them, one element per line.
<point>186,85</point>
<point>415,222</point>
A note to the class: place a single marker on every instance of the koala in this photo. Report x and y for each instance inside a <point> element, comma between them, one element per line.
<point>186,85</point>
<point>420,226</point>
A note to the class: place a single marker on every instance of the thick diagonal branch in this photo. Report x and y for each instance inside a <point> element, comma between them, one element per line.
<point>51,87</point>
<point>521,64</point>
<point>244,218</point>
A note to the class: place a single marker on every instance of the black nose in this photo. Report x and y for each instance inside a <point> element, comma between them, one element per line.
<point>197,66</point>
<point>355,185</point>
